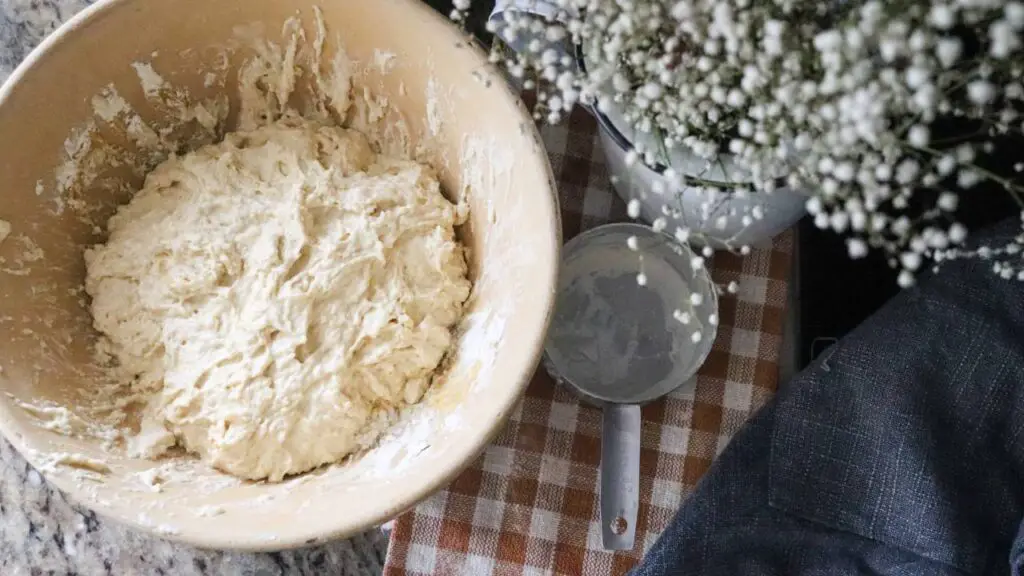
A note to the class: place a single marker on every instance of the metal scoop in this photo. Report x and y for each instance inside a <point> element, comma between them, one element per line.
<point>623,335</point>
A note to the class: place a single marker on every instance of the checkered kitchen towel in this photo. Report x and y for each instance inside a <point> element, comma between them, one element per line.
<point>529,504</point>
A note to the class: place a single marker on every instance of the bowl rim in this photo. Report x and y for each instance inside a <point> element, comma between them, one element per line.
<point>295,536</point>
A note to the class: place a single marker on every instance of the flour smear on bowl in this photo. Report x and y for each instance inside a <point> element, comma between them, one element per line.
<point>292,102</point>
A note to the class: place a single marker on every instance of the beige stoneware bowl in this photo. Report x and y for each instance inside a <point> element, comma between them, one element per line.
<point>460,115</point>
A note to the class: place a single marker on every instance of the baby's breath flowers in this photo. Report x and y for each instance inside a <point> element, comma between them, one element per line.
<point>693,77</point>
<point>839,100</point>
<point>889,71</point>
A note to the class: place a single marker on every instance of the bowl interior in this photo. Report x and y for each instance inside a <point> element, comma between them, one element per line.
<point>460,117</point>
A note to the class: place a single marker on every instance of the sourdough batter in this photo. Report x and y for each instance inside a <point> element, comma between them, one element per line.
<point>279,296</point>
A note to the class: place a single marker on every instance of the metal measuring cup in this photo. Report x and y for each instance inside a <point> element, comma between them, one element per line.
<point>623,335</point>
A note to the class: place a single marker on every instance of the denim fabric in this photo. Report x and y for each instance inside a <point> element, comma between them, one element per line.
<point>900,451</point>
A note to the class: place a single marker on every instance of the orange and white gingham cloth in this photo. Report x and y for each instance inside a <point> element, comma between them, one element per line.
<point>529,504</point>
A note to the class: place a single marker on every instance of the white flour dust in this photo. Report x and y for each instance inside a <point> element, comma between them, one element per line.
<point>26,254</point>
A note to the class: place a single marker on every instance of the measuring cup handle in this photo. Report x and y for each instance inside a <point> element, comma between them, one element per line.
<point>620,475</point>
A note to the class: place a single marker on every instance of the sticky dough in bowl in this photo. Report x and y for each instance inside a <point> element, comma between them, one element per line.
<point>454,112</point>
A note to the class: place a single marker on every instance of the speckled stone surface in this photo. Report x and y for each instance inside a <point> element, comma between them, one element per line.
<point>42,533</point>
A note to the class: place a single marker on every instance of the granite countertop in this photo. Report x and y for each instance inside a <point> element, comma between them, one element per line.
<point>42,533</point>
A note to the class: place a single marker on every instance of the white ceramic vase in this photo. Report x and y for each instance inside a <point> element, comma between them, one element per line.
<point>728,219</point>
<point>724,223</point>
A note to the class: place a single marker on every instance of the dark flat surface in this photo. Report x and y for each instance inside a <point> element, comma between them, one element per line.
<point>836,293</point>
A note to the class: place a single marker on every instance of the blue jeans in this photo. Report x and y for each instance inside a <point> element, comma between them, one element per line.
<point>899,451</point>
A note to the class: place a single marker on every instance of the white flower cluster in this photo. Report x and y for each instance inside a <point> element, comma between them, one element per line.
<point>888,72</point>
<point>839,103</point>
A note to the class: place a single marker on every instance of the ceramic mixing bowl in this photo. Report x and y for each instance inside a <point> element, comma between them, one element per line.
<point>59,155</point>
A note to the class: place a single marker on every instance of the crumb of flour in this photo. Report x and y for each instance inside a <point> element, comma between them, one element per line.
<point>52,416</point>
<point>50,461</point>
<point>209,511</point>
<point>383,60</point>
<point>151,479</point>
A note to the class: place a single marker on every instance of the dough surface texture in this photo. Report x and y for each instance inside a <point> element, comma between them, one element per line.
<point>278,297</point>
